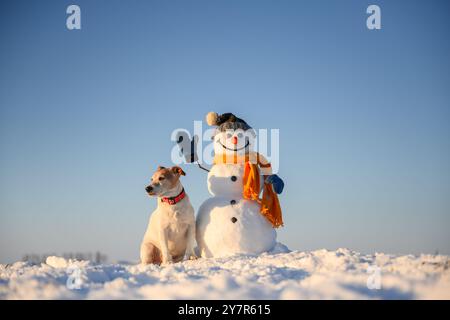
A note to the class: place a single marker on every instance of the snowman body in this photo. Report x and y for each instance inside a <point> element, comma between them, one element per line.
<point>227,223</point>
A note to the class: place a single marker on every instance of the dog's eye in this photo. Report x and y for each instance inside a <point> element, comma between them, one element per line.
<point>161,178</point>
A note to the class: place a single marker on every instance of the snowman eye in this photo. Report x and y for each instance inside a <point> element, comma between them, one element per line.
<point>240,135</point>
<point>229,135</point>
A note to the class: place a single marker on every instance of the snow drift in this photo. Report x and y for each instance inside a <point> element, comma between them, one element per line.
<point>322,274</point>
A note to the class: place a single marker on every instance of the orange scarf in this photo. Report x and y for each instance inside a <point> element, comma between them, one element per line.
<point>270,205</point>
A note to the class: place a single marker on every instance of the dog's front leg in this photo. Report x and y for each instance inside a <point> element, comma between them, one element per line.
<point>163,236</point>
<point>190,253</point>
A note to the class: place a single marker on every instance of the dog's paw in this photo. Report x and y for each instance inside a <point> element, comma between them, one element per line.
<point>167,262</point>
<point>190,257</point>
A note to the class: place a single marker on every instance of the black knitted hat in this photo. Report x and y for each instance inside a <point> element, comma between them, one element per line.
<point>226,121</point>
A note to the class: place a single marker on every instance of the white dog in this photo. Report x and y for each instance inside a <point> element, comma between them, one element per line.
<point>170,235</point>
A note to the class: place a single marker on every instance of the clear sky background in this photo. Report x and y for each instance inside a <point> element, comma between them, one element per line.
<point>86,117</point>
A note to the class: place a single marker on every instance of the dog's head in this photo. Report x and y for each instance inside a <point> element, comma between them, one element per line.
<point>164,180</point>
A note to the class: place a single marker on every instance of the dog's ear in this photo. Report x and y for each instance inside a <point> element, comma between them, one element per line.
<point>161,167</point>
<point>177,170</point>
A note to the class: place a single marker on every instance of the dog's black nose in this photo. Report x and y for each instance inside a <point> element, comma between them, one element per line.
<point>149,188</point>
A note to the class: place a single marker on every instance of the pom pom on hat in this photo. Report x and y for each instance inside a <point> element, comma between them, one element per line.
<point>226,121</point>
<point>211,118</point>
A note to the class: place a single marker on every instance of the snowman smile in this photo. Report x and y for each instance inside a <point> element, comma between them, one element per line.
<point>234,149</point>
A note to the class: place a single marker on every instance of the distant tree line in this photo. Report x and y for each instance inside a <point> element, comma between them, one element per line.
<point>96,257</point>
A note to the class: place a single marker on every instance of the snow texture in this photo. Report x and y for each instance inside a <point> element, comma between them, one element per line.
<point>320,274</point>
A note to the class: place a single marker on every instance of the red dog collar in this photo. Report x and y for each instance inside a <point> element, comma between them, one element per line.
<point>174,200</point>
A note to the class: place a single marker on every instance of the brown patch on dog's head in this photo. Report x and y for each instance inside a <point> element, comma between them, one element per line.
<point>174,175</point>
<point>178,171</point>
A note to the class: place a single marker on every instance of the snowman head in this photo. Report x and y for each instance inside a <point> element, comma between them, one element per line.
<point>232,135</point>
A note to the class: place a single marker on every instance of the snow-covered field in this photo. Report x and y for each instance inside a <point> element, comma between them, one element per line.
<point>321,274</point>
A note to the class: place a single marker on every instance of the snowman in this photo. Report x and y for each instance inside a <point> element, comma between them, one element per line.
<point>236,220</point>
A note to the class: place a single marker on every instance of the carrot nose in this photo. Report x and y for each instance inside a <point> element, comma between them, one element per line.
<point>235,140</point>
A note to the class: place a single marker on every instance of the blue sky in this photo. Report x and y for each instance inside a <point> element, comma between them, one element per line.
<point>86,117</point>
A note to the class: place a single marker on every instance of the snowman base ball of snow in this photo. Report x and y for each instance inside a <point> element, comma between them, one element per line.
<point>225,229</point>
